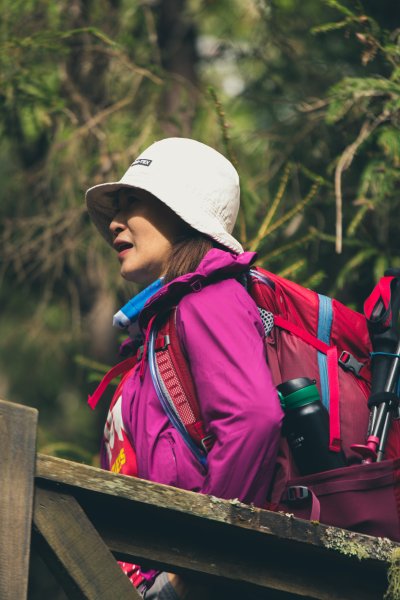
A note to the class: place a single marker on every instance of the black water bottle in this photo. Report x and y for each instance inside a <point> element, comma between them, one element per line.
<point>306,427</point>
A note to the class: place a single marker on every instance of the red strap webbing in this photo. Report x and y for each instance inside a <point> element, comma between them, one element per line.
<point>333,376</point>
<point>119,369</point>
<point>381,292</point>
<point>334,406</point>
<point>175,373</point>
<point>181,365</point>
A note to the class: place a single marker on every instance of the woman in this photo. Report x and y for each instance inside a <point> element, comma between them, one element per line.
<point>170,220</point>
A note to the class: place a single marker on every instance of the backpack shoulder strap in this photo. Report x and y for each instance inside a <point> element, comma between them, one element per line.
<point>174,385</point>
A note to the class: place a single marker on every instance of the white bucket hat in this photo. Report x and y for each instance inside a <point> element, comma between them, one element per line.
<point>195,181</point>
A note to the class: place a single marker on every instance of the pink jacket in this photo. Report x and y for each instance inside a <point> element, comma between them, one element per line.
<point>222,335</point>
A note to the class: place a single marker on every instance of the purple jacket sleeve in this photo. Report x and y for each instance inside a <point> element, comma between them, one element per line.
<point>222,335</point>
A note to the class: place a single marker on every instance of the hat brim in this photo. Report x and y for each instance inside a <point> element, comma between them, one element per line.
<point>101,208</point>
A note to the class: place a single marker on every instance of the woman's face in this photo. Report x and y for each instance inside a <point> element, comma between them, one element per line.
<point>144,232</point>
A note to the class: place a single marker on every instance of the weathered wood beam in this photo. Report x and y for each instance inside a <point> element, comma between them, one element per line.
<point>18,426</point>
<point>192,533</point>
<point>75,551</point>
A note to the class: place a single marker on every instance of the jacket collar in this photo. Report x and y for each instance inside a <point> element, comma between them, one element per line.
<point>215,266</point>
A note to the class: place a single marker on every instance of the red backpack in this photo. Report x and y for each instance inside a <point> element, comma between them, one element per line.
<point>307,335</point>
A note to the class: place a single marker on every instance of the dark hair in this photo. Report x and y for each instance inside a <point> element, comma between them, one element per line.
<point>187,253</point>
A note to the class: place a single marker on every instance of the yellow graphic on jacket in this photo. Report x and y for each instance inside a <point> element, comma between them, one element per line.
<point>119,462</point>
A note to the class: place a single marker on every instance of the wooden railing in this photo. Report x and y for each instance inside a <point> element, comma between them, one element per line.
<point>84,517</point>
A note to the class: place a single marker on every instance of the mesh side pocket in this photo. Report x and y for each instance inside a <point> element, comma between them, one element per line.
<point>267,319</point>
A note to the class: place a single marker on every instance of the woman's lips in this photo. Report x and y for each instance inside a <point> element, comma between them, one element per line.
<point>122,248</point>
<point>122,253</point>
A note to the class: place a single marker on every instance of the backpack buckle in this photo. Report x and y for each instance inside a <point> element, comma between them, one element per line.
<point>349,363</point>
<point>162,343</point>
<point>296,493</point>
<point>207,443</point>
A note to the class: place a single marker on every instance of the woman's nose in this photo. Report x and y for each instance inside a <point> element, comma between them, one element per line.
<point>117,225</point>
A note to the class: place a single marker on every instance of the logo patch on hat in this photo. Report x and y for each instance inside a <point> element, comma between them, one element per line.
<point>145,162</point>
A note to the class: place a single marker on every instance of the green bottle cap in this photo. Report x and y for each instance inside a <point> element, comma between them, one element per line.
<point>299,397</point>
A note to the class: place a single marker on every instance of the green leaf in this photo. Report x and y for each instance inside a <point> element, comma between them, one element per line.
<point>327,27</point>
<point>380,266</point>
<point>354,263</point>
<point>389,140</point>
<point>340,7</point>
<point>314,280</point>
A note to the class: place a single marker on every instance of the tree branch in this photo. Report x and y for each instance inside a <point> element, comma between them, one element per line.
<point>344,163</point>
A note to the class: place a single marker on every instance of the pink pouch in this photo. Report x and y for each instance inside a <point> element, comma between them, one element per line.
<point>363,498</point>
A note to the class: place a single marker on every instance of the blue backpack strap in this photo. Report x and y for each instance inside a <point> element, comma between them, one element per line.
<point>325,316</point>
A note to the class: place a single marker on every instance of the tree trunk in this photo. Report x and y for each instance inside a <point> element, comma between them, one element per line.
<point>177,43</point>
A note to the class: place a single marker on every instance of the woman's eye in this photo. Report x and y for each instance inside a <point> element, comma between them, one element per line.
<point>123,203</point>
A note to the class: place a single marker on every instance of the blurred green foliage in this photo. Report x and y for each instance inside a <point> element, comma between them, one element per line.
<point>302,96</point>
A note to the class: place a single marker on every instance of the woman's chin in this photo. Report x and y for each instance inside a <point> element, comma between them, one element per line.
<point>135,276</point>
<point>130,276</point>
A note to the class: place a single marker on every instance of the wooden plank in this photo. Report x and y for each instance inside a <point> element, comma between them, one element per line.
<point>84,477</point>
<point>18,426</point>
<point>192,533</point>
<point>82,561</point>
<point>193,546</point>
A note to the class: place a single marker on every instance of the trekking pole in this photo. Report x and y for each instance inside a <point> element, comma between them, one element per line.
<point>391,387</point>
<point>382,309</point>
